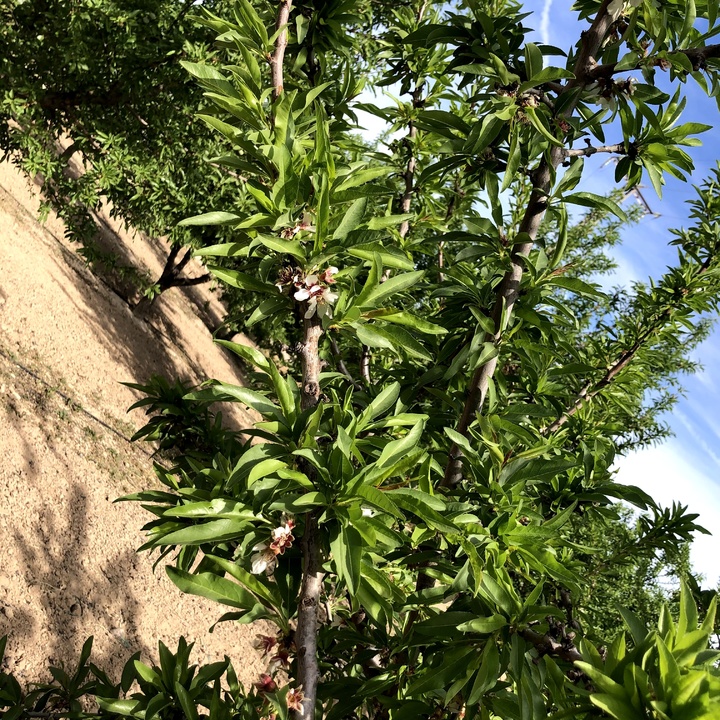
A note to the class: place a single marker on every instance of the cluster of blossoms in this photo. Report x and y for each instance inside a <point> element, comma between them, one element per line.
<point>277,649</point>
<point>293,699</point>
<point>312,289</point>
<point>303,225</point>
<point>265,557</point>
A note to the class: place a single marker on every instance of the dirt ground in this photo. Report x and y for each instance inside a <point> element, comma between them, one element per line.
<point>67,340</point>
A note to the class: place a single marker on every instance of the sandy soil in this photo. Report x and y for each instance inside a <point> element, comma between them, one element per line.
<point>67,340</point>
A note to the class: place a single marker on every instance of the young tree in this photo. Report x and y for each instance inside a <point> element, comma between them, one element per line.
<point>410,520</point>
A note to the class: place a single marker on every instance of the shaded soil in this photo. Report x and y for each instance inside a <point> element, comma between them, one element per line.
<point>67,340</point>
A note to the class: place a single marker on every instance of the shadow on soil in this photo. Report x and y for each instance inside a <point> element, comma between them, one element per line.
<point>57,558</point>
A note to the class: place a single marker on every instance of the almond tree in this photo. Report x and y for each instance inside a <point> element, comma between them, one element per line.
<point>406,511</point>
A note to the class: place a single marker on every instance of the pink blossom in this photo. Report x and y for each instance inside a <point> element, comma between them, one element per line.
<point>266,684</point>
<point>265,643</point>
<point>282,538</point>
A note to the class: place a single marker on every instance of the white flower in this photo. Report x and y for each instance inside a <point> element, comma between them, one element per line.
<point>314,291</point>
<point>321,303</point>
<point>367,512</point>
<point>606,103</point>
<point>263,560</point>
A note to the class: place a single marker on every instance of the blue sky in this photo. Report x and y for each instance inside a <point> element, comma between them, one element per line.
<point>687,467</point>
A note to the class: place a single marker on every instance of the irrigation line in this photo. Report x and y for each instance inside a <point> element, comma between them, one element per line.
<point>75,405</point>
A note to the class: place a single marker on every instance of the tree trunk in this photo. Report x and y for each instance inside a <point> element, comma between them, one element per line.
<point>312,581</point>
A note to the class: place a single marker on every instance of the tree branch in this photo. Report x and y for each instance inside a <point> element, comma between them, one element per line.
<point>697,56</point>
<point>306,633</point>
<point>591,389</point>
<point>312,578</point>
<point>509,287</point>
<point>546,645</point>
<point>190,282</point>
<point>409,175</point>
<point>277,58</point>
<point>341,364</point>
<point>365,364</point>
<point>618,148</point>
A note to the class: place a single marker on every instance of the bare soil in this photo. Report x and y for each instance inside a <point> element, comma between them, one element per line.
<point>67,339</point>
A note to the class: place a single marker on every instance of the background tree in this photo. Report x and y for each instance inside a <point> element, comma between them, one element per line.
<point>95,104</point>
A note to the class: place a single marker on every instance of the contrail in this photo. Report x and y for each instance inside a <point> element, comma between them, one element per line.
<point>545,22</point>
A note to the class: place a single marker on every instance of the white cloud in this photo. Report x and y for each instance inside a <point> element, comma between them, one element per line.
<point>545,22</point>
<point>696,433</point>
<point>667,475</point>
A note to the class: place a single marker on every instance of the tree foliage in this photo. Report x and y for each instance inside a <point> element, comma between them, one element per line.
<point>410,507</point>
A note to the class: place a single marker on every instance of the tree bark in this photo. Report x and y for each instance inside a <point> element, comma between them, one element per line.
<point>278,56</point>
<point>312,580</point>
<point>307,627</point>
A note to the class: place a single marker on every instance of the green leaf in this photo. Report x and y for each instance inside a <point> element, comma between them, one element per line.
<point>396,337</point>
<point>378,499</point>
<point>268,594</point>
<point>368,335</point>
<point>439,624</point>
<point>390,256</point>
<point>223,392</point>
<point>537,120</point>
<point>396,449</point>
<point>264,468</point>
<point>618,708</point>
<point>483,133</point>
<point>487,675</point>
<point>499,593</point>
<point>211,218</point>
<point>576,285</point>
<point>186,702</point>
<point>284,247</point>
<point>514,158</point>
<point>214,531</point>
<point>419,506</point>
<point>352,547</point>
<point>409,320</point>
<point>382,223</point>
<point>533,60</point>
<point>217,508</point>
<point>126,708</point>
<point>148,674</point>
<point>393,285</point>
<point>242,280</point>
<point>268,308</point>
<point>234,249</point>
<point>213,587</point>
<point>380,404</point>
<point>308,500</point>
<point>351,220</point>
<point>591,200</point>
<point>249,354</point>
<point>360,176</point>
